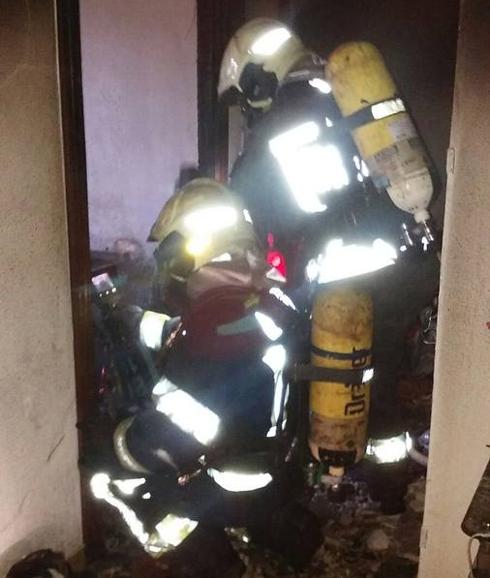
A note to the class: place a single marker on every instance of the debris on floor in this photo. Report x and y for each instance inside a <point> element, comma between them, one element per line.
<point>359,542</point>
<point>39,564</point>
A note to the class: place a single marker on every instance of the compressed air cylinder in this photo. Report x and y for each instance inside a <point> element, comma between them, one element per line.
<point>342,334</point>
<point>387,140</point>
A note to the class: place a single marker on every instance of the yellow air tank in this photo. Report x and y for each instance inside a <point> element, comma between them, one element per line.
<point>385,135</point>
<point>342,333</point>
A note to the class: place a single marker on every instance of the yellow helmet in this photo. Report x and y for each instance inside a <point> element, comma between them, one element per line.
<point>210,221</point>
<point>257,59</point>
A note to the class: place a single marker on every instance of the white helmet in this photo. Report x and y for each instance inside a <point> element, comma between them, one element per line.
<point>258,58</point>
<point>209,219</point>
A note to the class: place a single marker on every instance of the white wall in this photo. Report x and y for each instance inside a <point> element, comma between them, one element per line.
<point>140,98</point>
<point>39,482</point>
<point>461,414</point>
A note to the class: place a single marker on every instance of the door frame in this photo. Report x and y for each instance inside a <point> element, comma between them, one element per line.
<point>75,178</point>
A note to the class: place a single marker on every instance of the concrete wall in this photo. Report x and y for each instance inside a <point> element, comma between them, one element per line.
<point>461,415</point>
<point>140,99</point>
<point>39,482</point>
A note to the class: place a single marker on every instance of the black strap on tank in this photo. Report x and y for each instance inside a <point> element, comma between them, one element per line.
<point>301,372</point>
<point>354,356</point>
<point>361,117</point>
<point>365,115</point>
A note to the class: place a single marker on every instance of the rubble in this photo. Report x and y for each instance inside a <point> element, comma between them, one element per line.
<point>359,542</point>
<point>377,541</point>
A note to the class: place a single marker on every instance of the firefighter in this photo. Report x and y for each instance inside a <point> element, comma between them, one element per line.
<point>305,176</point>
<point>210,450</point>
